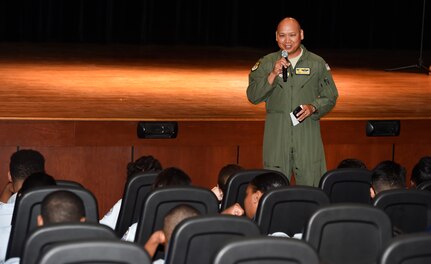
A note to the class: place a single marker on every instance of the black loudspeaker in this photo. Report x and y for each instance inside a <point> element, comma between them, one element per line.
<point>156,129</point>
<point>383,128</point>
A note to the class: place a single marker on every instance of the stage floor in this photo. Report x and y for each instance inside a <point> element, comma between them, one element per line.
<point>128,83</point>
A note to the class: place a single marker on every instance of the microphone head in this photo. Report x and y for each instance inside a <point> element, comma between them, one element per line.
<point>284,53</point>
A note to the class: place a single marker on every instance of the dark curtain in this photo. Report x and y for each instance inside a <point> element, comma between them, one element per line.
<point>334,24</point>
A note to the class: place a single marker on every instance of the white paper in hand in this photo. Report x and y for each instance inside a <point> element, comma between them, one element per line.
<point>294,119</point>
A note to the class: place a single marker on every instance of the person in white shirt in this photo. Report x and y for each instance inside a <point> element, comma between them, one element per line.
<point>255,190</point>
<point>22,164</point>
<point>58,207</point>
<point>143,164</point>
<point>171,220</point>
<point>168,177</point>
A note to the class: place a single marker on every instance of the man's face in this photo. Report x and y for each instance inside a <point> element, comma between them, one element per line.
<point>251,201</point>
<point>289,37</point>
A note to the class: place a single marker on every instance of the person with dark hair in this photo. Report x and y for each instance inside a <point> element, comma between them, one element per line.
<point>171,220</point>
<point>171,176</point>
<point>224,174</point>
<point>255,189</point>
<point>421,171</point>
<point>387,175</point>
<point>22,164</point>
<point>61,207</point>
<point>298,90</point>
<point>351,163</point>
<point>58,207</point>
<point>143,164</point>
<point>38,179</point>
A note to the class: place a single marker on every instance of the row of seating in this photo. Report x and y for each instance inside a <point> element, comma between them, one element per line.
<point>341,233</point>
<point>286,209</point>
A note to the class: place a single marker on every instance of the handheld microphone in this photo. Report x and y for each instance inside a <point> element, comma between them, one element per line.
<point>284,54</point>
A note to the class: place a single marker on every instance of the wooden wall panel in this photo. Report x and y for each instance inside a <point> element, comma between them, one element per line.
<point>409,154</point>
<point>96,153</point>
<point>102,170</point>
<point>37,133</point>
<point>370,154</point>
<point>201,163</point>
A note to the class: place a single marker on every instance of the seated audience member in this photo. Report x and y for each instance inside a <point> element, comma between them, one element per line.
<point>171,220</point>
<point>421,172</point>
<point>143,164</point>
<point>255,189</point>
<point>58,207</point>
<point>22,164</point>
<point>168,177</point>
<point>38,179</point>
<point>387,175</point>
<point>224,174</point>
<point>351,163</point>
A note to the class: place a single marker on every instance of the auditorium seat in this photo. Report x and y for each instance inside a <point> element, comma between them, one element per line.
<point>135,191</point>
<point>96,251</point>
<point>161,200</point>
<point>409,210</point>
<point>287,209</point>
<point>43,238</point>
<point>347,185</point>
<point>237,184</point>
<point>348,233</point>
<point>258,250</point>
<point>408,249</point>
<point>27,208</point>
<point>196,240</point>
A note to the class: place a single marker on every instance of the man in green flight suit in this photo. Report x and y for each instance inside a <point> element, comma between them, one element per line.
<point>308,83</point>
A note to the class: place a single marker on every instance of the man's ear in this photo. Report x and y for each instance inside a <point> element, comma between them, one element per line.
<point>256,196</point>
<point>39,220</point>
<point>302,34</point>
<point>9,177</point>
<point>372,193</point>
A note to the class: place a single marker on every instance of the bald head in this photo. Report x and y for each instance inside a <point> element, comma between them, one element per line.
<point>288,21</point>
<point>175,216</point>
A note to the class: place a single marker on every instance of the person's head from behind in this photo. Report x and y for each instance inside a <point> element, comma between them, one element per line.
<point>175,216</point>
<point>259,186</point>
<point>61,207</point>
<point>143,164</point>
<point>225,172</point>
<point>351,163</point>
<point>22,164</point>
<point>421,171</point>
<point>171,177</point>
<point>387,175</point>
<point>38,179</point>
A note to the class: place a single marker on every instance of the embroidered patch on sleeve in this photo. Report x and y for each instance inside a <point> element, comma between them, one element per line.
<point>256,66</point>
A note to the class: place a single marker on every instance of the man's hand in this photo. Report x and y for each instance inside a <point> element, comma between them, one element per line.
<point>156,239</point>
<point>307,110</point>
<point>235,209</point>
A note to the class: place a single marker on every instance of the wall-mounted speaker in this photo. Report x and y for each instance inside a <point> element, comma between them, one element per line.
<point>383,128</point>
<point>156,129</point>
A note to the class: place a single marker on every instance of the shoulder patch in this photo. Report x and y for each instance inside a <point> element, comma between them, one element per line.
<point>256,66</point>
<point>327,67</point>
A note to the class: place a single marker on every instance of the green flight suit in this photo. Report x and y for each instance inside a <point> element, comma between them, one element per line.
<point>288,148</point>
